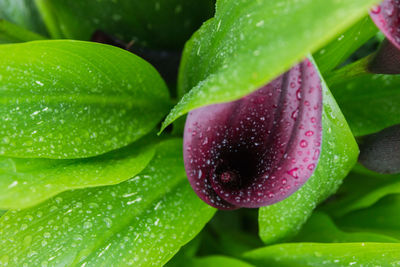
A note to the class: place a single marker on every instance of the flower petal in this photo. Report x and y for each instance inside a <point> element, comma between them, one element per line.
<point>259,149</point>
<point>387,18</point>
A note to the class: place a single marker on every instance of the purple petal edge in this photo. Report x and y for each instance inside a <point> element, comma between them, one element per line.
<point>259,149</point>
<point>387,18</point>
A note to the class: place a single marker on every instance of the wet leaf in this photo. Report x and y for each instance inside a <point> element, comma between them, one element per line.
<point>24,14</point>
<point>71,99</point>
<point>27,182</point>
<point>155,23</point>
<point>142,221</point>
<point>361,189</point>
<point>211,261</point>
<point>321,228</point>
<point>339,152</point>
<point>319,254</point>
<point>11,33</point>
<point>381,218</point>
<point>249,43</point>
<point>370,102</point>
<point>338,50</point>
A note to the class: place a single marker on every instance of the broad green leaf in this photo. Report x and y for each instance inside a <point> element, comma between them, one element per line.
<point>345,44</point>
<point>210,261</point>
<point>320,254</point>
<point>2,212</point>
<point>27,182</point>
<point>361,189</point>
<point>284,219</point>
<point>370,102</point>
<point>11,33</point>
<point>142,222</point>
<point>382,218</point>
<point>72,99</point>
<point>321,228</point>
<point>248,43</point>
<point>23,13</point>
<point>156,23</point>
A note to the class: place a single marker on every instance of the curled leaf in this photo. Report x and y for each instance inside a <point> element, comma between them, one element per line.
<point>259,149</point>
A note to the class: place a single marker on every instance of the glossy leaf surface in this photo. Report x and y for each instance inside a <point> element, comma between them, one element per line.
<point>378,102</point>
<point>23,13</point>
<point>140,222</point>
<point>71,99</point>
<point>319,254</point>
<point>321,228</point>
<point>156,23</point>
<point>339,152</point>
<point>380,218</point>
<point>26,182</point>
<point>338,50</point>
<point>361,189</point>
<point>11,33</point>
<point>249,43</point>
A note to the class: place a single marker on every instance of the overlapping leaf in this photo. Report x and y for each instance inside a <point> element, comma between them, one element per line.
<point>339,152</point>
<point>321,228</point>
<point>26,182</point>
<point>161,23</point>
<point>248,43</point>
<point>11,33</point>
<point>337,51</point>
<point>140,222</point>
<point>361,189</point>
<point>370,102</point>
<point>320,254</point>
<point>71,99</point>
<point>23,13</point>
<point>382,218</point>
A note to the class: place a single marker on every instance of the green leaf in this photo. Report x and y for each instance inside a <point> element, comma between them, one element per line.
<point>163,24</point>
<point>11,33</point>
<point>284,219</point>
<point>319,254</point>
<point>382,218</point>
<point>143,221</point>
<point>370,102</point>
<point>361,189</point>
<point>23,13</point>
<point>248,43</point>
<point>321,228</point>
<point>232,239</point>
<point>210,261</point>
<point>345,44</point>
<point>27,182</point>
<point>71,99</point>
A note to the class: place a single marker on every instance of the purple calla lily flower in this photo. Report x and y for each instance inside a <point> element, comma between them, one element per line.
<point>387,18</point>
<point>259,149</point>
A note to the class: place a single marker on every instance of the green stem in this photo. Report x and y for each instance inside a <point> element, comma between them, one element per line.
<point>350,71</point>
<point>11,33</point>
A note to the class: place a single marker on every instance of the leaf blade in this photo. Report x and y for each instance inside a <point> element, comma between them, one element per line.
<point>247,44</point>
<point>69,99</point>
<point>158,200</point>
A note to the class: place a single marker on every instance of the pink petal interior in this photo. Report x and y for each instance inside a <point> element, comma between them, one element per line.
<point>260,149</point>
